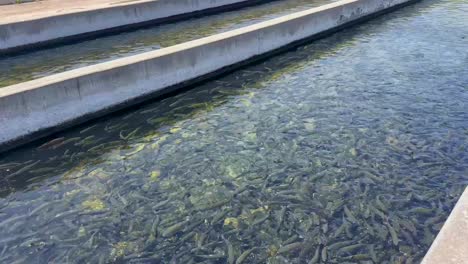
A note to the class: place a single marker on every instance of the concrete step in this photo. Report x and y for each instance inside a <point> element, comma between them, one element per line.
<point>37,108</point>
<point>49,22</point>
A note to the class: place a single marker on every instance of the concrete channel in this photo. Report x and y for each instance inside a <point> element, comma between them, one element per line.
<point>60,58</point>
<point>32,25</point>
<point>40,107</point>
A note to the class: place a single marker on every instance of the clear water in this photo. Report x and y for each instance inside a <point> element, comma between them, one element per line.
<point>352,149</point>
<point>46,62</point>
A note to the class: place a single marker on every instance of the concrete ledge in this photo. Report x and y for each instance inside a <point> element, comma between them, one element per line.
<point>36,108</point>
<point>19,32</point>
<point>9,2</point>
<point>451,244</point>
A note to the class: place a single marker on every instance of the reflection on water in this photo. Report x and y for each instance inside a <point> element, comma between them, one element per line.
<point>32,65</point>
<point>352,149</point>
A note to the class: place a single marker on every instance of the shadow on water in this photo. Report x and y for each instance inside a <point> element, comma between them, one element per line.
<point>46,160</point>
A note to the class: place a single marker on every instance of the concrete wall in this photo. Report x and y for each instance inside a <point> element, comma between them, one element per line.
<point>451,244</point>
<point>17,34</point>
<point>9,2</point>
<point>34,108</point>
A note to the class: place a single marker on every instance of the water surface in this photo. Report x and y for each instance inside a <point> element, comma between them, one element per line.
<point>352,149</point>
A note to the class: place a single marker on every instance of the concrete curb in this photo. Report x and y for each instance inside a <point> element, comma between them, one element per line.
<point>17,35</point>
<point>40,107</point>
<point>451,244</point>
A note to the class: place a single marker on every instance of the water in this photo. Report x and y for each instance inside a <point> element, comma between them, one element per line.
<point>46,62</point>
<point>352,149</point>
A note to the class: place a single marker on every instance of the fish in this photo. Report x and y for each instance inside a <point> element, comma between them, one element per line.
<point>290,248</point>
<point>187,236</point>
<point>373,254</point>
<point>259,221</point>
<point>22,170</point>
<point>230,251</point>
<point>154,229</point>
<point>393,234</point>
<point>214,205</point>
<point>380,204</point>
<point>349,216</point>
<point>87,141</point>
<point>378,212</point>
<point>172,230</point>
<point>340,244</point>
<point>139,148</point>
<point>9,165</point>
<point>291,239</point>
<point>212,256</point>
<point>52,143</point>
<point>359,257</point>
<point>87,129</point>
<point>220,215</point>
<point>340,229</point>
<point>421,211</point>
<point>160,205</point>
<point>129,135</point>
<point>244,255</point>
<point>200,239</point>
<point>348,249</point>
<point>316,257</point>
<point>324,254</point>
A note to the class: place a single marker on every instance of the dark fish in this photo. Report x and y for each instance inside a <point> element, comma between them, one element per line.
<point>52,143</point>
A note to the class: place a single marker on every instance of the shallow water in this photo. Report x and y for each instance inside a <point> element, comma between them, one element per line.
<point>352,149</point>
<point>46,62</point>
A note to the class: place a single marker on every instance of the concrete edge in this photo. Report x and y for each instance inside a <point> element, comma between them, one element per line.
<point>28,114</point>
<point>75,11</point>
<point>10,2</point>
<point>151,55</point>
<point>55,23</point>
<point>451,244</point>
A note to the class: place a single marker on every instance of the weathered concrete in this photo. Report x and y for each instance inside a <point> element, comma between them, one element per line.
<point>35,108</point>
<point>50,21</point>
<point>451,244</point>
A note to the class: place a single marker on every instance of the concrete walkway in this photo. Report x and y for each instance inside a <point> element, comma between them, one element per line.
<point>46,8</point>
<point>48,22</point>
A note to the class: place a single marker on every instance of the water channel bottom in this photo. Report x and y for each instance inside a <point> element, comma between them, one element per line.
<point>352,149</point>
